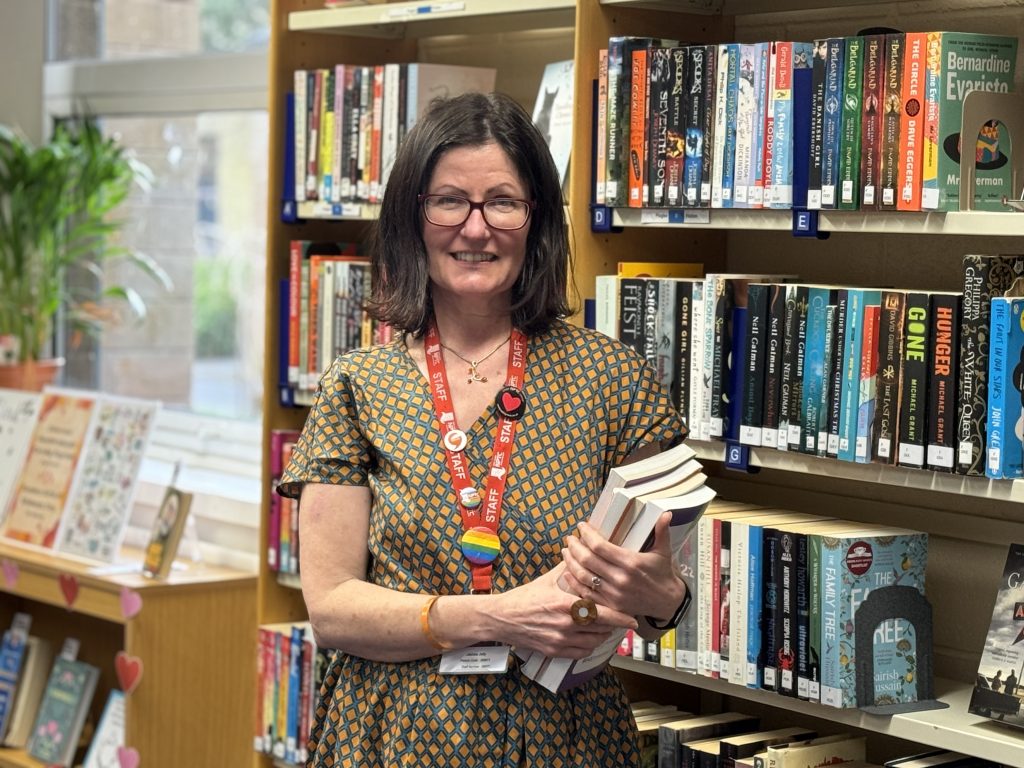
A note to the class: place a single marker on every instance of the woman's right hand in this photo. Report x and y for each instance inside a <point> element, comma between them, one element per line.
<point>537,616</point>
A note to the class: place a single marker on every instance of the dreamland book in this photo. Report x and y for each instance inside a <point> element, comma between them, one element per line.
<point>634,497</point>
<point>62,711</point>
<point>101,495</point>
<point>18,413</point>
<point>1004,646</point>
<point>55,448</point>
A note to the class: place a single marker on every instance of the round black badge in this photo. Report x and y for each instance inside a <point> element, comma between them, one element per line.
<point>510,403</point>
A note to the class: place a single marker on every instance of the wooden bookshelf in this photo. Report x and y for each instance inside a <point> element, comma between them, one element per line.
<point>192,634</point>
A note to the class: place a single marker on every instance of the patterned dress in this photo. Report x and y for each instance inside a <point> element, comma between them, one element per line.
<point>590,401</point>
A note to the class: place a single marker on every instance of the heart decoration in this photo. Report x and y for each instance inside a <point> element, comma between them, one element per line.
<point>69,588</point>
<point>129,671</point>
<point>131,602</point>
<point>128,757</point>
<point>510,402</point>
<point>11,573</point>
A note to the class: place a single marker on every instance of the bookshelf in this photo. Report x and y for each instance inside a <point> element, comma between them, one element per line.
<point>189,635</point>
<point>970,520</point>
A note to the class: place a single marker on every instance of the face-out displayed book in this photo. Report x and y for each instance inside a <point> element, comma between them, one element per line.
<point>18,413</point>
<point>62,711</point>
<point>634,497</point>
<point>552,112</point>
<point>997,689</point>
<point>76,484</point>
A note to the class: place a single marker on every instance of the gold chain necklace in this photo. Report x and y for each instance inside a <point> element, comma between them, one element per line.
<point>472,372</point>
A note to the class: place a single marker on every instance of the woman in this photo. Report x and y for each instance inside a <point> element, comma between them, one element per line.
<point>488,414</point>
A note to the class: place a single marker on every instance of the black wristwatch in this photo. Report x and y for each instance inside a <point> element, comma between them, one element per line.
<point>677,616</point>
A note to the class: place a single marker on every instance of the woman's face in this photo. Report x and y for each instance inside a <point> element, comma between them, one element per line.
<point>475,261</point>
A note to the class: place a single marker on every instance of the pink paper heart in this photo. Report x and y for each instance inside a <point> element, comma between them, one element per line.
<point>11,573</point>
<point>69,588</point>
<point>129,671</point>
<point>128,757</point>
<point>131,602</point>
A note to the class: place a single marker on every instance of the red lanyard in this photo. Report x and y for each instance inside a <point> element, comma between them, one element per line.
<point>480,517</point>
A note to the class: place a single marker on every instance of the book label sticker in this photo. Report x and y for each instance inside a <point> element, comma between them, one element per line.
<point>475,660</point>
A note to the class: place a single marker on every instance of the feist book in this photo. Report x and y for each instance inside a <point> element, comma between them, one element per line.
<point>633,499</point>
<point>997,688</point>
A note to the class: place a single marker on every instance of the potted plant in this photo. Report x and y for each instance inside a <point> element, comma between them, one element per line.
<point>56,214</point>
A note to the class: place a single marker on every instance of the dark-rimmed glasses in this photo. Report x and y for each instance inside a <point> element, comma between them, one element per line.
<point>454,211</point>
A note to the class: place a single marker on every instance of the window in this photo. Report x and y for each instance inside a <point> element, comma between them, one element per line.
<point>182,85</point>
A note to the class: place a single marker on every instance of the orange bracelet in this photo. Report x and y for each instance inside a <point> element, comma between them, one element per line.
<point>425,625</point>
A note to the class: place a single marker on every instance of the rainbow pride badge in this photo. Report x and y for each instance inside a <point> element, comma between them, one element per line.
<point>480,545</point>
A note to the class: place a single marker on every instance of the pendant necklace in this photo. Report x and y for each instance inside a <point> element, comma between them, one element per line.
<point>472,372</point>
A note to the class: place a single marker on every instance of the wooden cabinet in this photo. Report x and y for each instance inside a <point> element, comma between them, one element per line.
<point>193,636</point>
<point>970,520</point>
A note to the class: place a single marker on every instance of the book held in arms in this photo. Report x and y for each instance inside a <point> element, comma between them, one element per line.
<point>63,710</point>
<point>634,497</point>
<point>996,692</point>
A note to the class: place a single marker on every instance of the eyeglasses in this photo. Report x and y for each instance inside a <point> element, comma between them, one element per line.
<point>454,211</point>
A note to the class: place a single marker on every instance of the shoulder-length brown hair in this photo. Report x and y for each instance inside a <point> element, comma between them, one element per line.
<point>401,287</point>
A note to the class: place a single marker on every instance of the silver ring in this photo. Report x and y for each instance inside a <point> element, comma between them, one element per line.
<point>595,582</point>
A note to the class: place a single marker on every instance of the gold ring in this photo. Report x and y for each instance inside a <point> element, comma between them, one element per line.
<point>583,611</point>
<point>595,582</point>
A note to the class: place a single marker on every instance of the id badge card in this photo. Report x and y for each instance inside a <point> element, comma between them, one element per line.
<point>476,660</point>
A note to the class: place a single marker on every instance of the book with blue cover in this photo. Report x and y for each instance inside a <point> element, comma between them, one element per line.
<point>1005,424</point>
<point>62,711</point>
<point>832,124</point>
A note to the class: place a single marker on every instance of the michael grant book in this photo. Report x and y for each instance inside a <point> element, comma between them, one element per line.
<point>634,497</point>
<point>997,689</point>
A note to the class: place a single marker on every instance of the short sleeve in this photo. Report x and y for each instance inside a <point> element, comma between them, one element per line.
<point>652,416</point>
<point>331,447</point>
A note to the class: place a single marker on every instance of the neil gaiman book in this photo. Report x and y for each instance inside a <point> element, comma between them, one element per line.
<point>998,689</point>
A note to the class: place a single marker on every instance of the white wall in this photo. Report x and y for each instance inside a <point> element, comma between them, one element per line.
<point>22,53</point>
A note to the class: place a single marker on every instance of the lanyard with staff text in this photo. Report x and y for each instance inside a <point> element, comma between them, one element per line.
<point>480,517</point>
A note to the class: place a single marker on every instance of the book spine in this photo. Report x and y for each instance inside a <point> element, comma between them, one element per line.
<point>892,99</point>
<point>314,92</point>
<point>745,109</point>
<point>722,87</point>
<point>770,584</point>
<point>788,365</point>
<point>803,616</point>
<point>710,137</point>
<point>686,631</point>
<point>931,142</point>
<point>761,72</point>
<point>796,388</point>
<point>660,78</point>
<point>721,619</point>
<point>998,378</point>
<point>890,376</point>
<point>867,391</point>
<point>631,313</point>
<point>801,139</point>
<point>723,300</point>
<point>871,119</point>
<point>818,299</point>
<point>814,594</point>
<point>851,374</point>
<point>675,129</point>
<point>666,343</point>
<point>782,140</point>
<point>942,379</point>
<point>828,372</point>
<point>850,129</point>
<point>683,336</point>
<point>912,122</point>
<point>694,145</point>
<point>754,368</point>
<point>831,130</point>
<point>326,180</point>
<point>300,80</point>
<point>734,374</point>
<point>773,364</point>
<point>816,148</point>
<point>698,373</point>
<point>754,566</point>
<point>601,138</point>
<point>614,169</point>
<point>836,382</point>
<point>785,630</point>
<point>636,164</point>
<point>912,428</point>
<point>768,157</point>
<point>651,305</point>
<point>832,633</point>
<point>707,582</point>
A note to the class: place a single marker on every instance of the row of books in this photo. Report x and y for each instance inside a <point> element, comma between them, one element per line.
<point>859,122</point>
<point>45,699</point>
<point>672,738</point>
<point>283,526</point>
<point>775,602</point>
<point>290,668</point>
<point>322,314</point>
<point>348,121</point>
<point>859,374</point>
<point>69,464</point>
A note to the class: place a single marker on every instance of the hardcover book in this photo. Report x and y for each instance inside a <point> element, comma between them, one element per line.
<point>851,125</point>
<point>943,365</point>
<point>55,448</point>
<point>852,565</point>
<point>890,376</point>
<point>914,394</point>
<point>831,130</point>
<point>997,689</point>
<point>166,534</point>
<point>62,711</point>
<point>871,123</point>
<point>892,112</point>
<point>1005,424</point>
<point>912,122</point>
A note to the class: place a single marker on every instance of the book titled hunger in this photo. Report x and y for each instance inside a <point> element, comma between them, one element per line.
<point>633,499</point>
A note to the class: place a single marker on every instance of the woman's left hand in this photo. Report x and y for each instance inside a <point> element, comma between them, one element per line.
<point>636,583</point>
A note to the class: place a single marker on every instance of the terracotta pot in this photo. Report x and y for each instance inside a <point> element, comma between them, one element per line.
<point>32,375</point>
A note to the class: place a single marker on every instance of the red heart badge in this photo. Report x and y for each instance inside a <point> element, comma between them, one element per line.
<point>510,403</point>
<point>129,671</point>
<point>69,588</point>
